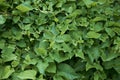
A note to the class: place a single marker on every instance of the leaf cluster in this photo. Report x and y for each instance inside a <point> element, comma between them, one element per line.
<point>59,39</point>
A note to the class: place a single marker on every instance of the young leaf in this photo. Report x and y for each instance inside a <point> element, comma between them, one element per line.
<point>27,74</point>
<point>41,52</point>
<point>96,19</point>
<point>6,72</point>
<point>24,7</point>
<point>92,34</point>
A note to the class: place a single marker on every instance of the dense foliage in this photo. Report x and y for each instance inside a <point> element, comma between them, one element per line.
<point>59,39</point>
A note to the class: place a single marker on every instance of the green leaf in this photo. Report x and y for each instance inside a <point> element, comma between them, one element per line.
<point>95,65</point>
<point>108,64</point>
<point>43,44</point>
<point>59,39</point>
<point>56,77</point>
<point>79,65</point>
<point>51,68</point>
<point>2,19</point>
<point>60,3</point>
<point>110,32</point>
<point>75,13</point>
<point>41,52</point>
<point>89,66</point>
<point>67,68</point>
<point>80,54</point>
<point>27,27</point>
<point>101,1</point>
<point>108,57</point>
<point>96,76</point>
<point>58,57</point>
<point>48,35</point>
<point>82,21</point>
<point>63,28</point>
<point>63,38</point>
<point>116,30</point>
<point>7,53</point>
<point>21,43</point>
<point>93,53</point>
<point>2,44</point>
<point>117,41</point>
<point>16,33</point>
<point>69,7</point>
<point>66,47</point>
<point>96,19</point>
<point>54,30</point>
<point>41,48</point>
<point>29,61</point>
<point>63,47</point>
<point>27,74</point>
<point>104,37</point>
<point>113,64</point>
<point>24,7</point>
<point>15,63</point>
<point>92,34</point>
<point>16,19</point>
<point>14,76</point>
<point>9,57</point>
<point>116,65</point>
<point>5,72</point>
<point>88,3</point>
<point>42,66</point>
<point>7,34</point>
<point>66,71</point>
<point>98,27</point>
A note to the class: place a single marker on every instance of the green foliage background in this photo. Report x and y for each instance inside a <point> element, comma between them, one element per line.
<point>59,39</point>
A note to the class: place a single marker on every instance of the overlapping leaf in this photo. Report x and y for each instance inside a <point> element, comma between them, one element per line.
<point>59,39</point>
